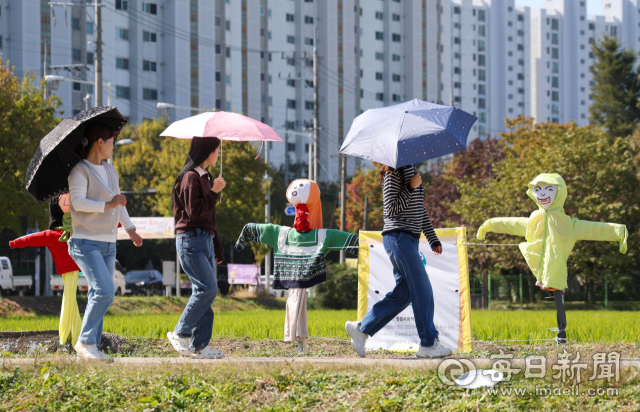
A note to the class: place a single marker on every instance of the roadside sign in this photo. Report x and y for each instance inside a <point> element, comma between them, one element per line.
<point>243,274</point>
<point>31,231</point>
<point>290,210</point>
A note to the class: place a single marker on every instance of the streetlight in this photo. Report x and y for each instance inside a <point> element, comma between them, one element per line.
<point>123,142</point>
<point>167,106</point>
<point>53,81</point>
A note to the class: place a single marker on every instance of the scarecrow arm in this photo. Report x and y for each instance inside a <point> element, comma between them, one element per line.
<point>35,240</point>
<point>396,197</point>
<point>427,229</point>
<point>337,239</point>
<point>260,233</point>
<point>611,232</point>
<point>516,226</point>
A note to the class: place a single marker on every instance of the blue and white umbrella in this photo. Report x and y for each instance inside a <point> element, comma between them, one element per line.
<point>408,133</point>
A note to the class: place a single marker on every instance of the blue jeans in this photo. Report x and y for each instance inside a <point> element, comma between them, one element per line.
<point>97,261</point>
<point>195,249</point>
<point>412,287</point>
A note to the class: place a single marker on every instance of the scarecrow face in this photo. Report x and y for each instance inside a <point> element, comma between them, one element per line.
<point>545,194</point>
<point>298,192</point>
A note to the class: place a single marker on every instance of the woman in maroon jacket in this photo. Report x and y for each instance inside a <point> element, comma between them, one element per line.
<point>198,245</point>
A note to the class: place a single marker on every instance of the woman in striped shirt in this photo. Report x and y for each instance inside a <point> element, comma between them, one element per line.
<point>405,218</point>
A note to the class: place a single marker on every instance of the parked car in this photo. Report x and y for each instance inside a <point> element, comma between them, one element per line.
<point>10,283</point>
<point>144,282</point>
<point>57,284</point>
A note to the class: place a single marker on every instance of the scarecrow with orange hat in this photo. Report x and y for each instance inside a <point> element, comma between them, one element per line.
<point>299,253</point>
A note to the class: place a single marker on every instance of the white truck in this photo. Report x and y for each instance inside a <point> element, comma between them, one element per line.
<point>10,283</point>
<point>57,284</point>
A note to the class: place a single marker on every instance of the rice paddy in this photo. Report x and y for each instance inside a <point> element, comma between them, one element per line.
<point>583,326</point>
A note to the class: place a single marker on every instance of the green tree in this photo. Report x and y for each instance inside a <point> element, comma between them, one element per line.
<point>602,184</point>
<point>25,118</point>
<point>616,88</point>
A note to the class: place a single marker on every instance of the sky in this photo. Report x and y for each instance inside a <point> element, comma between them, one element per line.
<point>594,7</point>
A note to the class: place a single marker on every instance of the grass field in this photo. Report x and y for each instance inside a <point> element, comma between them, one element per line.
<point>584,326</point>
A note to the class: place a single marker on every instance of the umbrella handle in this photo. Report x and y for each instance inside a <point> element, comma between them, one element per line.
<point>221,168</point>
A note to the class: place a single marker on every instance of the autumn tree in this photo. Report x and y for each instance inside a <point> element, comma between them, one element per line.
<point>364,185</point>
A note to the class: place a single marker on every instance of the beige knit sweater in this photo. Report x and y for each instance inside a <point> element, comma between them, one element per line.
<point>88,197</point>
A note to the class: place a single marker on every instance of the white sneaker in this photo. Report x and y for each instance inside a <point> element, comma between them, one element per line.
<point>435,351</point>
<point>90,352</point>
<point>181,345</point>
<point>207,353</point>
<point>358,338</point>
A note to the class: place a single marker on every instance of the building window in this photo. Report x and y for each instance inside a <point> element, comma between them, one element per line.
<point>482,117</point>
<point>77,86</point>
<point>481,30</point>
<point>227,27</point>
<point>291,39</point>
<point>308,104</point>
<point>520,17</point>
<point>308,19</point>
<point>151,8</point>
<point>218,104</point>
<point>76,54</point>
<point>75,23</point>
<point>554,24</point>
<point>123,92</point>
<point>482,89</point>
<point>395,77</point>
<point>291,82</point>
<point>614,31</point>
<point>149,94</point>
<point>89,27</point>
<point>395,17</point>
<point>122,63</point>
<point>481,60</point>
<point>149,36</point>
<point>227,79</point>
<point>122,5</point>
<point>555,96</point>
<point>308,41</point>
<point>379,56</point>
<point>396,37</point>
<point>122,34</point>
<point>520,47</point>
<point>555,82</point>
<point>218,48</point>
<point>291,147</point>
<point>378,76</point>
<point>521,62</point>
<point>289,17</point>
<point>89,58</point>
<point>482,103</point>
<point>148,66</point>
<point>456,10</point>
<point>554,38</point>
<point>481,15</point>
<point>380,97</point>
<point>395,57</point>
<point>456,40</point>
<point>456,70</point>
<point>482,75</point>
<point>456,85</point>
<point>396,98</point>
<point>554,53</point>
<point>0,42</point>
<point>291,104</point>
<point>227,53</point>
<point>379,35</point>
<point>481,45</point>
<point>218,21</point>
<point>218,76</point>
<point>379,15</point>
<point>555,67</point>
<point>520,91</point>
<point>520,76</point>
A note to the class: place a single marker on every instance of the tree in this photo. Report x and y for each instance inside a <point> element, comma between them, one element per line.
<point>616,88</point>
<point>365,184</point>
<point>25,118</point>
<point>602,184</point>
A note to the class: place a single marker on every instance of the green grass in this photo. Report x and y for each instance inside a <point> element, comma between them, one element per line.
<point>258,324</point>
<point>584,326</point>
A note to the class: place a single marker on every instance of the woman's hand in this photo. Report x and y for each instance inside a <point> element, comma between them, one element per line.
<point>437,251</point>
<point>218,184</point>
<point>219,261</point>
<point>118,200</point>
<point>135,238</point>
<point>416,181</point>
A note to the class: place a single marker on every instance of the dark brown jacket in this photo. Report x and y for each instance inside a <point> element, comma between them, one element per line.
<point>194,206</point>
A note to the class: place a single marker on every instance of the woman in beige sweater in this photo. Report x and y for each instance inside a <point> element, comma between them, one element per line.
<point>96,209</point>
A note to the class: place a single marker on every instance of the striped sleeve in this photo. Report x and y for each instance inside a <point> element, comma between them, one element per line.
<point>396,197</point>
<point>429,232</point>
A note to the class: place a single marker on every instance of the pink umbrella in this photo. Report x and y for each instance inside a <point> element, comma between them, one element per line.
<point>224,126</point>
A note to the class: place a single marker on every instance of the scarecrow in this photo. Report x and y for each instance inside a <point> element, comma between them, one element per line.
<point>56,240</point>
<point>299,253</point>
<point>550,236</point>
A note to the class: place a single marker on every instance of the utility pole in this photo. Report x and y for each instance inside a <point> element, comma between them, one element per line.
<point>343,200</point>
<point>366,213</point>
<point>316,151</point>
<point>267,218</point>
<point>44,68</point>
<point>286,146</point>
<point>98,59</point>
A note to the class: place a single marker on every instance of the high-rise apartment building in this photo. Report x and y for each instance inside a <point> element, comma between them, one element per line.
<point>255,57</point>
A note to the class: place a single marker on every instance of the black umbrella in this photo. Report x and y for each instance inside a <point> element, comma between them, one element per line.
<point>50,166</point>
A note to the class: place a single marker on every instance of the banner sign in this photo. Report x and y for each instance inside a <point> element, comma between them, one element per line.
<point>243,274</point>
<point>151,228</point>
<point>449,277</point>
